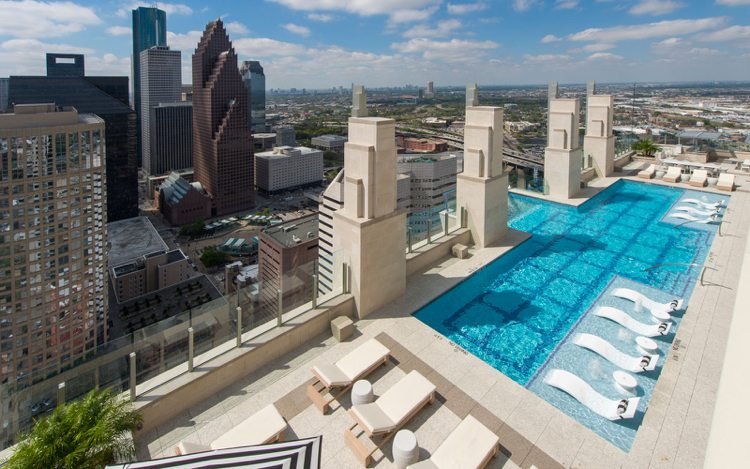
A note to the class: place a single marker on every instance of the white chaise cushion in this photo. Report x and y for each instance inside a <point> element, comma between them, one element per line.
<point>467,446</point>
<point>257,429</point>
<point>362,359</point>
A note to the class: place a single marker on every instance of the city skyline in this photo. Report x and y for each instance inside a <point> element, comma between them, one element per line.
<point>320,44</point>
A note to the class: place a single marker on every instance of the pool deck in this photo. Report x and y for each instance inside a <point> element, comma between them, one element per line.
<point>675,430</point>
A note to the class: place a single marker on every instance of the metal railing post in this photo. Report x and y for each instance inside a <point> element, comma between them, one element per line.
<point>280,295</point>
<point>463,217</point>
<point>344,277</point>
<point>445,223</point>
<point>239,326</point>
<point>315,291</point>
<point>131,358</point>
<point>191,348</point>
<point>60,394</point>
<point>408,239</point>
<point>429,231</point>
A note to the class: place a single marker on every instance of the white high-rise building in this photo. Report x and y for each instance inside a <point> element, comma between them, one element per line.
<point>161,82</point>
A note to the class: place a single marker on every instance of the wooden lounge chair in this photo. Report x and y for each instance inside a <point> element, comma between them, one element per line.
<point>376,423</point>
<point>471,446</point>
<point>674,174</point>
<point>333,380</point>
<point>265,426</point>
<point>699,178</point>
<point>648,173</point>
<point>726,182</point>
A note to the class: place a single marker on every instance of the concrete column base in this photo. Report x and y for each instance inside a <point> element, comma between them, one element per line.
<point>602,151</point>
<point>562,172</point>
<point>377,257</point>
<point>486,201</point>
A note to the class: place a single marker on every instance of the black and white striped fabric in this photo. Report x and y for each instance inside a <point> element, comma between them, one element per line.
<point>297,454</point>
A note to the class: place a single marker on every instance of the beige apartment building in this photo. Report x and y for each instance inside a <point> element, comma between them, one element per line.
<point>53,237</point>
<point>149,273</point>
<point>286,168</point>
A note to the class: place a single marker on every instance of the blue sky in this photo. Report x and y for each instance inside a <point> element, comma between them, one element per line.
<point>324,43</point>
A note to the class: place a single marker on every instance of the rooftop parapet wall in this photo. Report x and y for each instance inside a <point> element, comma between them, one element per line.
<point>563,124</point>
<point>483,142</point>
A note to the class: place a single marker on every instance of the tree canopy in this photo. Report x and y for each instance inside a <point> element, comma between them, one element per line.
<point>645,147</point>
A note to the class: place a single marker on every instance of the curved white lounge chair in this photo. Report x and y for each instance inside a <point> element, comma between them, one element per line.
<point>625,320</point>
<point>611,409</point>
<point>656,308</point>
<point>697,212</point>
<point>707,205</point>
<point>627,362</point>
<point>686,216</point>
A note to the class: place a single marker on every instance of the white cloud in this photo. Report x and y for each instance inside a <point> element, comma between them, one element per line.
<point>259,47</point>
<point>443,28</point>
<point>184,42</point>
<point>605,56</point>
<point>297,29</point>
<point>27,57</point>
<point>546,58</point>
<point>549,38</point>
<point>119,30</point>
<point>235,27</point>
<point>169,8</point>
<point>524,5</point>
<point>733,3</point>
<point>647,31</point>
<point>566,4</point>
<point>595,47</point>
<point>319,17</point>
<point>655,7</point>
<point>37,19</point>
<point>732,33</point>
<point>454,50</point>
<point>398,11</point>
<point>463,8</point>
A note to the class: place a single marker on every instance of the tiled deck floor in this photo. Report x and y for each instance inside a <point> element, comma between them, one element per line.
<point>674,432</point>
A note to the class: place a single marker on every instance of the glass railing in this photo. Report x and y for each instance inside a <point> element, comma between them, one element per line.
<point>427,226</point>
<point>149,356</point>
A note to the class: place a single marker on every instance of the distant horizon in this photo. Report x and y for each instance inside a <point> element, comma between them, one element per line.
<point>319,44</point>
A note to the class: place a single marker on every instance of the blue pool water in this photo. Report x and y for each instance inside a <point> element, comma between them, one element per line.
<point>515,312</point>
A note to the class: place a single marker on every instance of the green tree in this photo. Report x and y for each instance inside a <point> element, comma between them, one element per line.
<point>88,433</point>
<point>193,229</point>
<point>645,147</point>
<point>212,257</point>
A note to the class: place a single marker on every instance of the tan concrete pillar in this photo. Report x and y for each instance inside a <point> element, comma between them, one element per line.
<point>563,155</point>
<point>369,230</point>
<point>599,141</point>
<point>482,188</point>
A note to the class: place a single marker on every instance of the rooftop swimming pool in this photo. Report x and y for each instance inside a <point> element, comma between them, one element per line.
<point>520,313</point>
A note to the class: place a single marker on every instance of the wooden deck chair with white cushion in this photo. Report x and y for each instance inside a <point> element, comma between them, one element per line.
<point>265,426</point>
<point>674,174</point>
<point>699,178</point>
<point>376,423</point>
<point>333,380</point>
<point>648,173</point>
<point>725,182</point>
<point>470,446</point>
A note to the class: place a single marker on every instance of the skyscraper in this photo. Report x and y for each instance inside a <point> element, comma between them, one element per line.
<point>54,234</point>
<point>255,82</point>
<point>107,98</point>
<point>149,30</point>
<point>65,65</point>
<point>161,82</point>
<point>222,143</point>
<point>171,130</point>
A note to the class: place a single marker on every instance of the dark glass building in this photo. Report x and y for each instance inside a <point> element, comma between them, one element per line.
<point>91,95</point>
<point>255,82</point>
<point>172,137</point>
<point>223,159</point>
<point>149,30</point>
<point>65,65</point>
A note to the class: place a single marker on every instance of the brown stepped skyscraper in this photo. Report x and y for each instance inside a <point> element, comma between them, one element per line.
<point>222,144</point>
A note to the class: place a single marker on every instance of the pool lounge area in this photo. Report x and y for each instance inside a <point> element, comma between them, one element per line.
<point>673,433</point>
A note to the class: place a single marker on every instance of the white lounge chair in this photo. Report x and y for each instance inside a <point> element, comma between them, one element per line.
<point>332,380</point>
<point>699,178</point>
<point>648,173</point>
<point>384,417</point>
<point>712,220</point>
<point>582,391</point>
<point>625,320</point>
<point>627,362</point>
<point>265,426</point>
<point>654,306</point>
<point>698,212</point>
<point>726,182</point>
<point>706,205</point>
<point>674,174</point>
<point>470,445</point>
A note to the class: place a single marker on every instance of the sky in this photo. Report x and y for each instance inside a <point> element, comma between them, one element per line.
<point>318,44</point>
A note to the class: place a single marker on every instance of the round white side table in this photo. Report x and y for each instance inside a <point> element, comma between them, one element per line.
<point>362,392</point>
<point>625,382</point>
<point>405,448</point>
